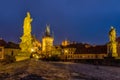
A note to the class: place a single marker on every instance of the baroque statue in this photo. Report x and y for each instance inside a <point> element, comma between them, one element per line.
<point>112,45</point>
<point>27,24</point>
<point>26,39</point>
<point>112,34</point>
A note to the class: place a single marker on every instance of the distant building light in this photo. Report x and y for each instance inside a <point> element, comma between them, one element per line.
<point>66,51</point>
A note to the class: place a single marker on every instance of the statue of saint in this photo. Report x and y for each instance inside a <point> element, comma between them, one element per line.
<point>112,45</point>
<point>27,24</point>
<point>26,39</point>
<point>112,34</point>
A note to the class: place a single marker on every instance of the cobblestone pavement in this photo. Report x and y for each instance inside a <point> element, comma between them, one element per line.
<point>39,70</point>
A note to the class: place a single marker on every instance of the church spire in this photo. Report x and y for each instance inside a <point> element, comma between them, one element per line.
<point>47,30</point>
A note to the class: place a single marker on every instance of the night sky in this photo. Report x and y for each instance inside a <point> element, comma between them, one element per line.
<point>76,20</point>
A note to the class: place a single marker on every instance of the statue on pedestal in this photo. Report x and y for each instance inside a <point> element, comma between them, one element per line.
<point>112,45</point>
<point>112,34</point>
<point>26,39</point>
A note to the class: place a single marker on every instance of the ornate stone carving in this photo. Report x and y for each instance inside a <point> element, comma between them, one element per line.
<point>112,45</point>
<point>26,39</point>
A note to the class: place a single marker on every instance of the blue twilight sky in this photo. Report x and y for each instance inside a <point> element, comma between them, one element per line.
<point>77,20</point>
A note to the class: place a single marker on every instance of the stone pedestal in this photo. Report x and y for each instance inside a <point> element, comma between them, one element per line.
<point>22,56</point>
<point>26,39</point>
<point>112,49</point>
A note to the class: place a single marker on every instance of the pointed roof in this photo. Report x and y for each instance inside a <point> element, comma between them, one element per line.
<point>47,30</point>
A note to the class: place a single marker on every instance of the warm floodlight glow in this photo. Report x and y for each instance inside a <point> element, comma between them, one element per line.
<point>47,40</point>
<point>66,51</point>
<point>32,50</point>
<point>26,42</point>
<point>112,45</point>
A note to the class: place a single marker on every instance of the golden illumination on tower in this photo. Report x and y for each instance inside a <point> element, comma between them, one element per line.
<point>47,40</point>
<point>26,39</point>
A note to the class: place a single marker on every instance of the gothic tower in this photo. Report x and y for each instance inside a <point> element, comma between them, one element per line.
<point>47,40</point>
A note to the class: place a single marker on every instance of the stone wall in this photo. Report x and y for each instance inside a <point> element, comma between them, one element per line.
<point>11,51</point>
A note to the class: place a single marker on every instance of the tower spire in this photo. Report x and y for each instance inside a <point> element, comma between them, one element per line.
<point>47,30</point>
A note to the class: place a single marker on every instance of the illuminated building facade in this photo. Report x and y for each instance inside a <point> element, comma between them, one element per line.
<point>65,42</point>
<point>8,48</point>
<point>36,45</point>
<point>47,40</point>
<point>82,51</point>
